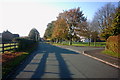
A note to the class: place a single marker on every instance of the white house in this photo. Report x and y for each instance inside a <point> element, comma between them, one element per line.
<point>84,39</point>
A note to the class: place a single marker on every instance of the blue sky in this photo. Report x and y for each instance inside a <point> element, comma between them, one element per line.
<point>20,17</point>
<point>88,8</point>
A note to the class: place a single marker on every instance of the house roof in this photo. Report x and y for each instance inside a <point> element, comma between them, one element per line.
<point>7,32</point>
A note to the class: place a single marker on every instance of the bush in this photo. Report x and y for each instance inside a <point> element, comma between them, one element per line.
<point>113,44</point>
<point>26,45</point>
<point>11,60</point>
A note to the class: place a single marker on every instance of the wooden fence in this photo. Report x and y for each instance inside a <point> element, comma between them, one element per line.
<point>8,46</point>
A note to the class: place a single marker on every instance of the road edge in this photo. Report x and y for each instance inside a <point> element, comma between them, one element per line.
<point>116,66</point>
<point>98,59</point>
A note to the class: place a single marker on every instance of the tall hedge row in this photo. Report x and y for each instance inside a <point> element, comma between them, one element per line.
<point>25,44</point>
<point>113,44</point>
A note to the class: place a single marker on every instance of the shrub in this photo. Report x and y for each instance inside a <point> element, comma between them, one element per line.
<point>25,44</point>
<point>113,44</point>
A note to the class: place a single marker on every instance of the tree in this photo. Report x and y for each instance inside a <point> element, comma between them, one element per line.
<point>115,26</point>
<point>103,19</point>
<point>105,15</point>
<point>88,30</point>
<point>34,35</point>
<point>94,36</point>
<point>116,22</point>
<point>94,31</point>
<point>60,30</point>
<point>49,30</point>
<point>84,30</point>
<point>73,17</point>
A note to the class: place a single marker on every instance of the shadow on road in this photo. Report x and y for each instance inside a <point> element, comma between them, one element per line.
<point>36,63</point>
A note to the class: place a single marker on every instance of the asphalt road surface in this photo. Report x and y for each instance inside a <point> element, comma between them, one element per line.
<point>50,61</point>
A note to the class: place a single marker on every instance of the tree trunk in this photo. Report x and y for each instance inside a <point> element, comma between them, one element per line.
<point>89,42</point>
<point>70,43</point>
<point>56,40</point>
<point>94,42</point>
<point>60,41</point>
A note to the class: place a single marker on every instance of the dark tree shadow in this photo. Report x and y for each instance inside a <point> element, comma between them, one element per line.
<point>46,49</point>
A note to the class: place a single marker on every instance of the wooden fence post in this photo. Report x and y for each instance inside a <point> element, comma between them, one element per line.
<point>10,45</point>
<point>3,47</point>
<point>15,45</point>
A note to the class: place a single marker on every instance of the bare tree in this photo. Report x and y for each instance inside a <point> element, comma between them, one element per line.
<point>104,16</point>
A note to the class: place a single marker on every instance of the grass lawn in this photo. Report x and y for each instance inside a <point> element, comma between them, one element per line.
<point>98,44</point>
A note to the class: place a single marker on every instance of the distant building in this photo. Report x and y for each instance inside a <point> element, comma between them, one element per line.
<point>8,36</point>
<point>16,35</point>
<point>84,39</point>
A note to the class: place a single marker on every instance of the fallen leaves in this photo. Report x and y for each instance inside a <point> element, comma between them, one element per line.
<point>7,56</point>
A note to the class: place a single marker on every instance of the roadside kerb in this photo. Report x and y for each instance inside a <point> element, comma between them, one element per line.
<point>83,52</point>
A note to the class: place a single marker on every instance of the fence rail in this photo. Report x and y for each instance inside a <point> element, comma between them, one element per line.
<point>8,46</point>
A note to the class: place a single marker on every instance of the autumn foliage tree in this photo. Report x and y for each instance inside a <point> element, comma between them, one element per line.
<point>72,17</point>
<point>64,28</point>
<point>60,30</point>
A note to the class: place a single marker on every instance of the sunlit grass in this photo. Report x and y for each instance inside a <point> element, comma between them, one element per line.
<point>111,53</point>
<point>98,44</point>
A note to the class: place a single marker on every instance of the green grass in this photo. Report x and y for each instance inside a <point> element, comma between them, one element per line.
<point>98,44</point>
<point>111,53</point>
<point>7,67</point>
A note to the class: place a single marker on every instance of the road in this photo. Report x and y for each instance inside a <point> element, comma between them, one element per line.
<point>50,61</point>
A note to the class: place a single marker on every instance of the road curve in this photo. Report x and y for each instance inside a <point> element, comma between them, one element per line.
<point>50,61</point>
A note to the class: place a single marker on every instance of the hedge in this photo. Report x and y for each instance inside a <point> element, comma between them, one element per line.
<point>113,44</point>
<point>25,44</point>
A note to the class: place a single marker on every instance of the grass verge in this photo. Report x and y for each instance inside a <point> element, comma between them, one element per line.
<point>12,63</point>
<point>111,53</point>
<point>12,60</point>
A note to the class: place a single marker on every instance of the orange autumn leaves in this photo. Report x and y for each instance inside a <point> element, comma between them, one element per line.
<point>61,29</point>
<point>9,56</point>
